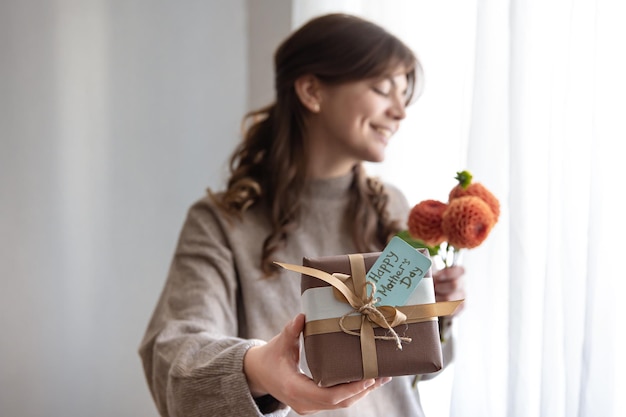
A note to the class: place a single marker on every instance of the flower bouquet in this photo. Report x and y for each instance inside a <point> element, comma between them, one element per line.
<point>462,223</point>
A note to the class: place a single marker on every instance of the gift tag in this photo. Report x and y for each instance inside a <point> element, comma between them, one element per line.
<point>396,272</point>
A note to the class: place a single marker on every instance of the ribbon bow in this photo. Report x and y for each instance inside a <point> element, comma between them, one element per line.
<point>385,316</point>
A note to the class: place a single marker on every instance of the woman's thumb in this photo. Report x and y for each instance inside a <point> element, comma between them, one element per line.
<point>294,328</point>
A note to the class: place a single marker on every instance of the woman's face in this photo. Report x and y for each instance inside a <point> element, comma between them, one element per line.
<point>356,120</point>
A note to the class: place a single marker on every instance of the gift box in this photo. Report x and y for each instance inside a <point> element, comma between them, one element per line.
<point>345,341</point>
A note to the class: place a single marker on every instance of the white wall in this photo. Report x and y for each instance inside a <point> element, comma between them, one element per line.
<point>114,116</point>
<point>269,21</point>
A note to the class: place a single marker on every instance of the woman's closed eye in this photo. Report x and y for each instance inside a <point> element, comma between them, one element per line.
<point>381,92</point>
<point>383,88</point>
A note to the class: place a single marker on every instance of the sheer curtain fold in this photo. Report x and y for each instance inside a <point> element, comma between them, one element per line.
<point>558,126</point>
<point>482,329</point>
<point>536,117</point>
<point>563,84</point>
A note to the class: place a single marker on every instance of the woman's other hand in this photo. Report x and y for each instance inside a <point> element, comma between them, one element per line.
<point>449,284</point>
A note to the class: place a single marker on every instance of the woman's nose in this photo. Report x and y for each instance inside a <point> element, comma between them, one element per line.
<point>398,108</point>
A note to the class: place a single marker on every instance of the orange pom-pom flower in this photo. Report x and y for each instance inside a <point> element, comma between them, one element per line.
<point>467,187</point>
<point>463,223</point>
<point>425,222</point>
<point>467,222</point>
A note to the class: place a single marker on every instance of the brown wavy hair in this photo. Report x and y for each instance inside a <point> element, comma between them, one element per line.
<point>270,164</point>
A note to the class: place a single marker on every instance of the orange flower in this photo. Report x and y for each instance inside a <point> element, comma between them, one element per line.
<point>467,187</point>
<point>425,222</point>
<point>463,223</point>
<point>467,222</point>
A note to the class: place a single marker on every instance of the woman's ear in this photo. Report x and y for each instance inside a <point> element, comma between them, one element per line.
<point>308,89</point>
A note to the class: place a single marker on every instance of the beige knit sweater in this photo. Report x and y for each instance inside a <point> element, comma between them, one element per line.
<point>216,304</point>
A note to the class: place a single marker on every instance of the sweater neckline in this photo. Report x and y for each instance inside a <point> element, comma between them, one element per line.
<point>334,188</point>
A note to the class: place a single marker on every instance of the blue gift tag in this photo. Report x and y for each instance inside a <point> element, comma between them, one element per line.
<point>397,272</point>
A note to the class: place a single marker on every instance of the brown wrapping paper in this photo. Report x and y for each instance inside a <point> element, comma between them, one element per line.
<point>335,357</point>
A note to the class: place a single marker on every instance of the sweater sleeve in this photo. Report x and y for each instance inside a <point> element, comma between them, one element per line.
<point>192,354</point>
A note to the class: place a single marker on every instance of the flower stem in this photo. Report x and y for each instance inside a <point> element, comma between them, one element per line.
<point>449,255</point>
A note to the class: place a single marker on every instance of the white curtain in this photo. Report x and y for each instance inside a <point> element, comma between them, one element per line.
<point>529,95</point>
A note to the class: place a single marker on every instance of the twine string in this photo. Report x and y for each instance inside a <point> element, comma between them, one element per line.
<point>369,309</point>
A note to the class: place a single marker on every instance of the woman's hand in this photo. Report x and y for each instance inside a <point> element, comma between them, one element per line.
<point>449,284</point>
<point>274,369</point>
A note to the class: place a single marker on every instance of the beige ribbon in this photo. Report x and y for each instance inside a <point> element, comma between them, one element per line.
<point>415,314</point>
<point>384,316</point>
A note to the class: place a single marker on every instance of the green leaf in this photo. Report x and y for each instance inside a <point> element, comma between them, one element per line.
<point>416,243</point>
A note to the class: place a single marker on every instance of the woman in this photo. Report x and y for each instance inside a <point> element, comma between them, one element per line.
<point>218,343</point>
